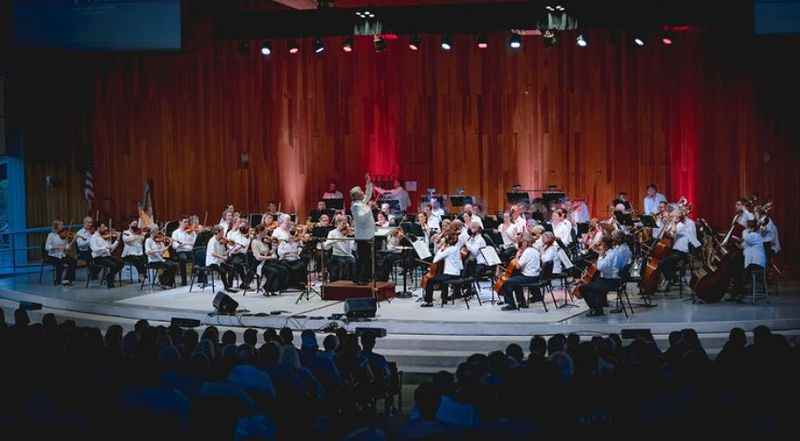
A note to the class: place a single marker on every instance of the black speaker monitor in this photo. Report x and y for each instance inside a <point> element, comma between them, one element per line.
<point>224,304</point>
<point>360,307</point>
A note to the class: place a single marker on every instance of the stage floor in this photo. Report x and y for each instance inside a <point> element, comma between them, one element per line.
<point>405,316</point>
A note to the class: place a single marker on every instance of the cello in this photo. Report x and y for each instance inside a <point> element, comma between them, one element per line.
<point>710,283</point>
<point>650,274</point>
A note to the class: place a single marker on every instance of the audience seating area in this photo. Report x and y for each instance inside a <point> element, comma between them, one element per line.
<point>154,382</point>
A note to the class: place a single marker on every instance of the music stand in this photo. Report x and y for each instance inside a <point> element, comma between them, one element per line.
<point>518,197</point>
<point>623,218</point>
<point>460,201</point>
<point>255,219</point>
<point>553,196</point>
<point>412,229</point>
<point>394,204</point>
<point>583,228</point>
<point>321,232</point>
<point>316,214</point>
<point>334,204</point>
<point>490,223</point>
<point>648,220</point>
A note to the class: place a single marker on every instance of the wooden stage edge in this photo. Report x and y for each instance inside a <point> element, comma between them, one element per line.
<point>345,289</point>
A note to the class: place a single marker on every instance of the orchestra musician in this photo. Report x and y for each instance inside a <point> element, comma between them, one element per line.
<point>753,249</point>
<point>684,235</point>
<point>529,269</point>
<point>133,248</point>
<point>652,200</point>
<point>155,246</point>
<point>289,248</point>
<point>509,233</point>
<point>103,242</point>
<point>183,239</point>
<point>227,220</point>
<point>342,264</point>
<point>449,251</point>
<point>772,244</point>
<point>743,214</point>
<point>216,256</point>
<point>56,246</point>
<point>364,226</point>
<point>562,228</point>
<point>474,243</point>
<point>383,221</point>
<point>424,222</point>
<point>82,238</point>
<point>274,275</point>
<point>468,215</point>
<point>332,192</point>
<point>398,192</point>
<point>622,198</point>
<point>549,251</point>
<point>608,267</point>
<point>238,245</point>
<point>433,221</point>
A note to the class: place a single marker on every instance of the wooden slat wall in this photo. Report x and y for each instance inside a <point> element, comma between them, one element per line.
<point>698,119</point>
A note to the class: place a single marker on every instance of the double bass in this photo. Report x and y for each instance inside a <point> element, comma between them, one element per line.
<point>710,282</point>
<point>650,274</point>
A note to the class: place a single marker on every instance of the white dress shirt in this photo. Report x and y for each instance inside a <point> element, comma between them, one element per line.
<point>753,251</point>
<point>651,203</point>
<point>474,244</point>
<point>341,248</point>
<point>332,195</point>
<point>681,238</point>
<point>363,222</point>
<point>100,247</point>
<point>241,242</point>
<point>261,252</point>
<point>530,262</point>
<point>580,214</point>
<point>475,218</point>
<point>771,236</point>
<point>452,260</point>
<point>400,194</point>
<point>154,250</point>
<point>82,239</point>
<point>289,251</point>
<point>434,221</point>
<point>608,265</point>
<point>563,231</point>
<point>280,235</point>
<point>215,247</point>
<point>691,231</point>
<point>623,254</point>
<point>55,245</point>
<point>183,241</point>
<point>133,244</point>
<point>507,233</point>
<point>550,254</point>
<point>745,216</point>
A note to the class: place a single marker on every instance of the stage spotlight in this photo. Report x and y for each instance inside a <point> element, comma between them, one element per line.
<point>581,41</point>
<point>638,40</point>
<point>319,46</point>
<point>483,41</point>
<point>515,42</point>
<point>266,48</point>
<point>550,8</point>
<point>560,8</point>
<point>414,42</point>
<point>666,39</point>
<point>347,46</point>
<point>380,43</point>
<point>293,47</point>
<point>447,43</point>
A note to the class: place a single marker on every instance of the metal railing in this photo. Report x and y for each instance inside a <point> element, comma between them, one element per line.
<point>21,250</point>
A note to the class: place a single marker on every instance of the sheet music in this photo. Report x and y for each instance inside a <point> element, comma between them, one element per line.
<point>490,255</point>
<point>421,247</point>
<point>384,231</point>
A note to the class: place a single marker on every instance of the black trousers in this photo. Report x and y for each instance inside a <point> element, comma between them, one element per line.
<point>296,269</point>
<point>595,292</point>
<point>112,264</point>
<point>512,288</point>
<point>86,256</point>
<point>238,263</point>
<point>387,261</point>
<point>341,268</point>
<point>59,264</point>
<point>183,258</point>
<point>364,261</point>
<point>275,277</point>
<point>438,280</point>
<point>225,272</point>
<point>138,262</point>
<point>168,269</point>
<point>670,264</point>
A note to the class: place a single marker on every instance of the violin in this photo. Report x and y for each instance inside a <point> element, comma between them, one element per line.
<point>110,235</point>
<point>66,234</point>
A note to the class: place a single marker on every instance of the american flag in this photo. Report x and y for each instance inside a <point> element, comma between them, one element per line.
<point>88,185</point>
